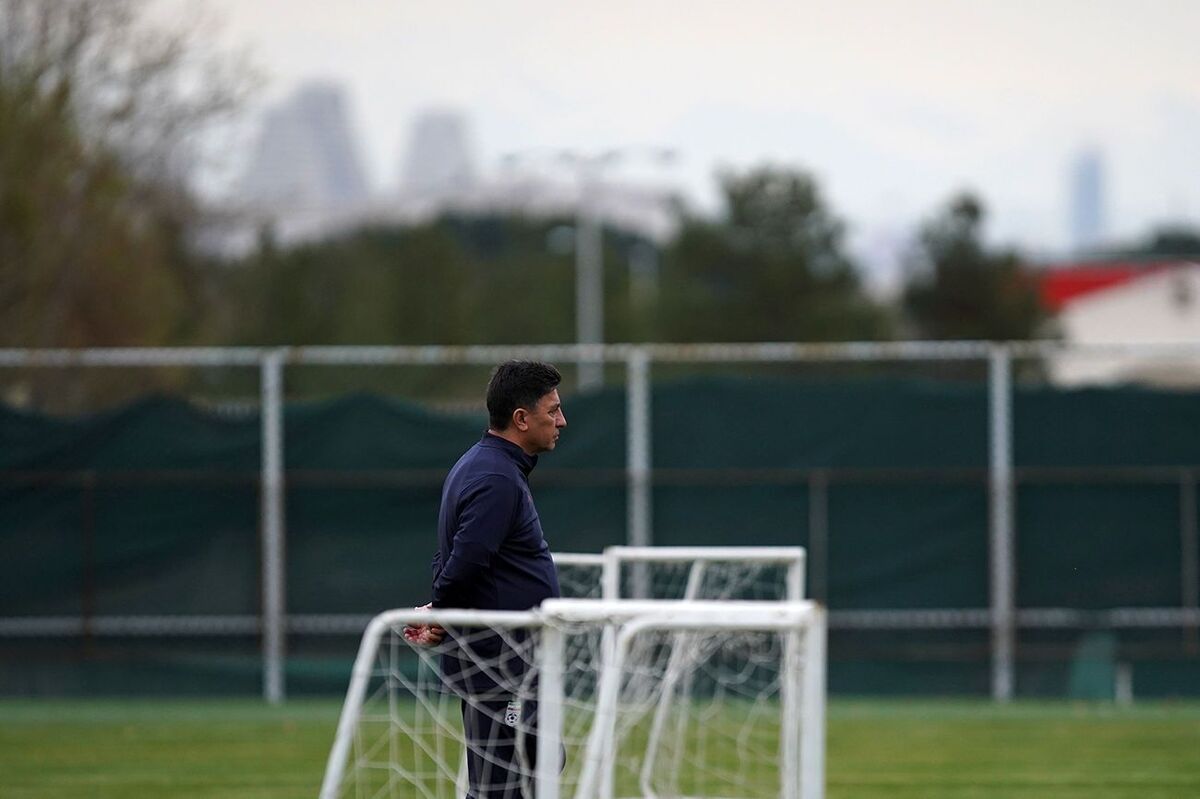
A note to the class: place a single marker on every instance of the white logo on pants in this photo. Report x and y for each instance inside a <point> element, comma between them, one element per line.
<point>512,713</point>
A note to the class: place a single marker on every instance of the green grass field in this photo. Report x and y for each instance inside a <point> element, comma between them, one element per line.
<point>245,750</point>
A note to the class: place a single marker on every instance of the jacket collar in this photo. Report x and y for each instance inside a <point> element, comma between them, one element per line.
<point>524,461</point>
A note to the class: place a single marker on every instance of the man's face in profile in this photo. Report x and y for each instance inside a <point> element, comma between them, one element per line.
<point>545,420</point>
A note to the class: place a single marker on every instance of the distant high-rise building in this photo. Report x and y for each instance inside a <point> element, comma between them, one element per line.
<point>438,159</point>
<point>306,156</point>
<point>1087,201</point>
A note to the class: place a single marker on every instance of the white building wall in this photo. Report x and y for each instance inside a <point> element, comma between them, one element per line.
<point>1159,307</point>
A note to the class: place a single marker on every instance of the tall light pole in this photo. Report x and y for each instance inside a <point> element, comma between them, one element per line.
<point>589,271</point>
<point>589,247</point>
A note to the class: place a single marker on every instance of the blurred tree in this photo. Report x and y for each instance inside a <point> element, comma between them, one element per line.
<point>97,114</point>
<point>1173,240</point>
<point>959,289</point>
<point>373,286</point>
<point>524,290</point>
<point>774,268</point>
<point>456,280</point>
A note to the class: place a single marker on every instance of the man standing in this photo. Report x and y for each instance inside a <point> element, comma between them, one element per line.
<point>492,556</point>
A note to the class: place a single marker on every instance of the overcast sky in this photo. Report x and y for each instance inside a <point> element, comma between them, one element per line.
<point>893,104</point>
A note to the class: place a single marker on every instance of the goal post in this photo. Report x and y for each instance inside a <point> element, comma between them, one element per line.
<point>589,699</point>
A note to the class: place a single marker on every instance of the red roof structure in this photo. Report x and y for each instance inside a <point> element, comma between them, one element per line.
<point>1062,284</point>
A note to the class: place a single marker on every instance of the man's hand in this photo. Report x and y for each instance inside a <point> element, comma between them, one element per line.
<point>424,634</point>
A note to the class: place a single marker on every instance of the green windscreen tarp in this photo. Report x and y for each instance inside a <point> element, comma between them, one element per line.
<point>153,509</point>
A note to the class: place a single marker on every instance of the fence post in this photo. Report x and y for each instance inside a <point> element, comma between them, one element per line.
<point>637,450</point>
<point>87,604</point>
<point>818,535</point>
<point>1189,550</point>
<point>1001,546</point>
<point>272,515</point>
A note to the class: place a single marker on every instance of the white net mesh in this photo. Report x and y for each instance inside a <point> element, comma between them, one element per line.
<point>690,573</point>
<point>428,710</point>
<point>696,713</point>
<point>707,573</point>
<point>699,715</point>
<point>580,576</point>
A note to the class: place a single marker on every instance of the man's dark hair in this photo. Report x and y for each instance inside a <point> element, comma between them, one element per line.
<point>518,384</point>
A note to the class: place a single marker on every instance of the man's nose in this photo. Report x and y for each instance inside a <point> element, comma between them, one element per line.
<point>562,419</point>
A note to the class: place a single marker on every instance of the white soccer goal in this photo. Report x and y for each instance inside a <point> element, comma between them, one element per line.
<point>743,573</point>
<point>624,572</point>
<point>677,699</point>
<point>580,575</point>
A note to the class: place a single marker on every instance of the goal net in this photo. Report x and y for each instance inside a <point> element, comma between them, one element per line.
<point>580,575</point>
<point>590,699</point>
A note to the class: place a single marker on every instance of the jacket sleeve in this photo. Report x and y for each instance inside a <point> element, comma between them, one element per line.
<point>485,515</point>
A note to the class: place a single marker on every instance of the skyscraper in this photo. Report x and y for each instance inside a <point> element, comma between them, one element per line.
<point>438,160</point>
<point>306,156</point>
<point>1087,201</point>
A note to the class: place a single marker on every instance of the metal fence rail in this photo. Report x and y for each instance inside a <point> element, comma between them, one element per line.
<point>352,624</point>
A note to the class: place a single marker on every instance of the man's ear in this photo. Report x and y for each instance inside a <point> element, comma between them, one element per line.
<point>520,418</point>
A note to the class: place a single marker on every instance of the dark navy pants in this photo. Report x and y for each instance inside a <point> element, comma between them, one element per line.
<point>501,748</point>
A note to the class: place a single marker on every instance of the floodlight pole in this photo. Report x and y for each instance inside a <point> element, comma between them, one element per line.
<point>589,273</point>
<point>589,252</point>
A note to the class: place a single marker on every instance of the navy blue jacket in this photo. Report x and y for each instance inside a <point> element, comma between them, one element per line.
<point>491,551</point>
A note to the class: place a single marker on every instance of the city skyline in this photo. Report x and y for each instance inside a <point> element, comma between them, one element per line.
<point>303,179</point>
<point>893,107</point>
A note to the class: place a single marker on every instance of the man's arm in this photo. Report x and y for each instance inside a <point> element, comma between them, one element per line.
<point>485,517</point>
<point>426,634</point>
